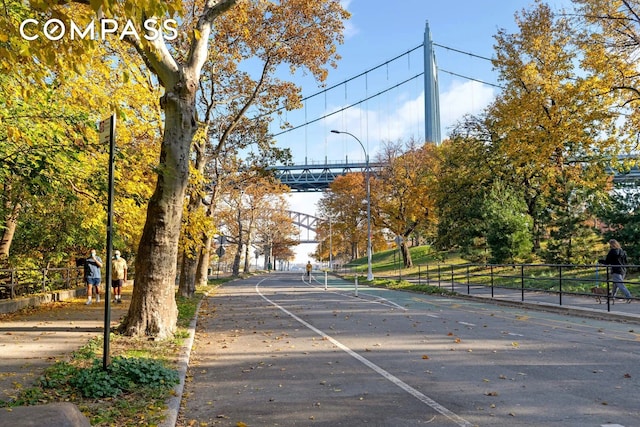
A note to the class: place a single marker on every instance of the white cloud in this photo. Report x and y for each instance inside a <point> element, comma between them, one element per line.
<point>405,118</point>
<point>350,30</point>
<point>459,99</point>
<point>401,118</point>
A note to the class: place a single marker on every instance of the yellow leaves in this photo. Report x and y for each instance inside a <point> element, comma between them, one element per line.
<point>95,4</point>
<point>3,37</point>
<point>13,133</point>
<point>193,423</point>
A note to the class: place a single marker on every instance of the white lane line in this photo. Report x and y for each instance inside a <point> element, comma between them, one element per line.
<point>386,301</point>
<point>376,299</point>
<point>466,324</point>
<point>392,378</point>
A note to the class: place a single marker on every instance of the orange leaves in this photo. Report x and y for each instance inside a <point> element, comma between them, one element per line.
<point>302,34</point>
<point>404,199</point>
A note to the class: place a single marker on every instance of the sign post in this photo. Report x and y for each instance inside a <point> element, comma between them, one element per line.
<point>107,130</point>
<point>220,252</point>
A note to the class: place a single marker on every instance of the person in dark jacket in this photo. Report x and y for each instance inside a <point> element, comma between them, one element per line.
<point>617,259</point>
<point>92,266</point>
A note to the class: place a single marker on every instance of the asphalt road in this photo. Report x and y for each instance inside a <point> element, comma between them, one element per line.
<point>276,351</point>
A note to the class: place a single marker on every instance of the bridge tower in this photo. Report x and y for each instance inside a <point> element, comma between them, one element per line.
<point>431,93</point>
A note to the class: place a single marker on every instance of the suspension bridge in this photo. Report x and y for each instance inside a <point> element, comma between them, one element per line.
<point>316,176</point>
<point>312,176</point>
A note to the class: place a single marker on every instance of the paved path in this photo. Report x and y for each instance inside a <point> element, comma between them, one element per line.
<point>275,351</point>
<point>252,362</point>
<point>32,340</point>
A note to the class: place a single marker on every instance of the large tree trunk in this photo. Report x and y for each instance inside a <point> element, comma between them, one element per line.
<point>10,225</point>
<point>153,310</point>
<point>406,255</point>
<point>247,255</point>
<point>187,286</point>
<point>202,274</point>
<point>236,258</point>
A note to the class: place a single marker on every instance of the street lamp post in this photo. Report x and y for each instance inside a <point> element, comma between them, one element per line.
<point>330,246</point>
<point>367,178</point>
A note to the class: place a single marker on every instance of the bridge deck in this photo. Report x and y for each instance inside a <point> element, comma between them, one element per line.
<point>317,177</point>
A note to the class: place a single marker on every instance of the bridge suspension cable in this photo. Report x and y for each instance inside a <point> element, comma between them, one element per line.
<point>348,106</point>
<point>369,97</point>
<point>470,78</point>
<point>344,82</point>
<point>463,52</point>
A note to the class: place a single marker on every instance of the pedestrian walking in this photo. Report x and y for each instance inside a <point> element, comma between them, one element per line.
<point>92,278</point>
<point>308,268</point>
<point>617,259</point>
<point>119,276</point>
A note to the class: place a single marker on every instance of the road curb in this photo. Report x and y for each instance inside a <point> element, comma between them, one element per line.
<point>173,404</point>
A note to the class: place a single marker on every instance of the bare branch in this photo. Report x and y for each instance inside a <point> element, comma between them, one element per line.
<point>248,103</point>
<point>198,52</point>
<point>79,191</point>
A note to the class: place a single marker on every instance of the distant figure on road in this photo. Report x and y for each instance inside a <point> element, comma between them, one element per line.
<point>92,266</point>
<point>309,267</point>
<point>119,276</point>
<point>617,259</point>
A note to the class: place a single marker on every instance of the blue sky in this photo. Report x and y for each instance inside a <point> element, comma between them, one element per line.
<point>378,31</point>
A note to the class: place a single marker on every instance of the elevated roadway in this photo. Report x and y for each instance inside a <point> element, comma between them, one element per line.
<point>317,176</point>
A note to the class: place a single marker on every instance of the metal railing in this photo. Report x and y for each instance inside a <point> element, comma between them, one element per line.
<point>520,280</point>
<point>22,282</point>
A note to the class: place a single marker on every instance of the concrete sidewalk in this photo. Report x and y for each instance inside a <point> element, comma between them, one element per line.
<point>32,339</point>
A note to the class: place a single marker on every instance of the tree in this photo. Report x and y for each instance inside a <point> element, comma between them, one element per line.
<point>552,124</point>
<point>180,76</point>
<point>52,163</point>
<point>248,212</point>
<point>344,203</point>
<point>572,235</point>
<point>227,93</point>
<point>508,225</point>
<point>620,217</point>
<point>314,25</point>
<point>404,199</point>
<point>609,37</point>
<point>274,228</point>
<point>465,172</point>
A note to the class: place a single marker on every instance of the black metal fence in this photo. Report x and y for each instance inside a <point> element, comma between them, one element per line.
<point>21,282</point>
<point>558,280</point>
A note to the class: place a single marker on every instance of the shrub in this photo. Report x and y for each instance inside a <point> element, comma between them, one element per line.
<point>122,375</point>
